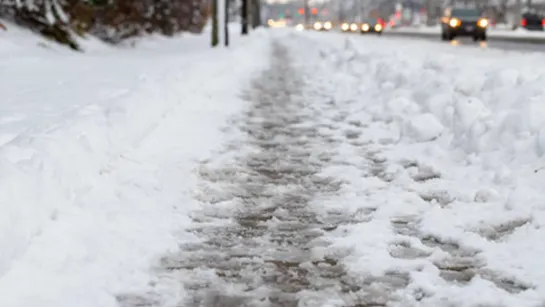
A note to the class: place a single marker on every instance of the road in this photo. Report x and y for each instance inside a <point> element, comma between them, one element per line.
<point>467,42</point>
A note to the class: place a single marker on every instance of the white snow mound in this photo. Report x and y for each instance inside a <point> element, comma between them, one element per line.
<point>97,152</point>
<point>424,127</point>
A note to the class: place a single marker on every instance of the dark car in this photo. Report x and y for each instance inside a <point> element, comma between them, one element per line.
<point>463,22</point>
<point>371,26</point>
<point>532,22</point>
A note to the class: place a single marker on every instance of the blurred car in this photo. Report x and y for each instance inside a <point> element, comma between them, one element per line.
<point>276,23</point>
<point>350,27</point>
<point>532,21</point>
<point>463,22</point>
<point>371,26</point>
<point>323,25</point>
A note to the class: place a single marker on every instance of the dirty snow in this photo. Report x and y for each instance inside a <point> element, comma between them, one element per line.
<point>353,170</point>
<point>458,145</point>
<point>96,158</point>
<point>412,199</point>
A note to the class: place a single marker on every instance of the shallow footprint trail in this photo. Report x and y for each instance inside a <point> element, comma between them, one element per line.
<point>323,201</point>
<point>267,232</point>
<point>260,234</point>
<point>259,246</point>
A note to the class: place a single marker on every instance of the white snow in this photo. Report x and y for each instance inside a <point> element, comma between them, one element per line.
<point>98,152</point>
<point>424,127</point>
<point>469,119</point>
<point>97,156</point>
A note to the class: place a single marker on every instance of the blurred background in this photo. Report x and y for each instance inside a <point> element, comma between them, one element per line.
<point>502,13</point>
<point>116,20</point>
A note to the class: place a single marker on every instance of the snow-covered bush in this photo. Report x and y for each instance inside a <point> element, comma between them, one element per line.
<point>110,20</point>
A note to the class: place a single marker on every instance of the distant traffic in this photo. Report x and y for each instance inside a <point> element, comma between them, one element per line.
<point>448,23</point>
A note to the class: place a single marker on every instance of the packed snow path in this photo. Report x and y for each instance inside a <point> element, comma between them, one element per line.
<point>262,245</point>
<point>323,202</point>
<point>365,171</point>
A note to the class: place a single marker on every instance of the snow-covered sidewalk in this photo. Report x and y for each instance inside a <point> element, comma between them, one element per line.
<point>352,172</point>
<point>97,156</point>
<point>367,175</point>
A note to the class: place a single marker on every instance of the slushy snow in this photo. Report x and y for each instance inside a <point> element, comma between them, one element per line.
<point>99,150</point>
<point>500,32</point>
<point>459,138</point>
<point>97,157</point>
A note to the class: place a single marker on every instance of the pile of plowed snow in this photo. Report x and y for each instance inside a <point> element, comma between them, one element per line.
<point>97,152</point>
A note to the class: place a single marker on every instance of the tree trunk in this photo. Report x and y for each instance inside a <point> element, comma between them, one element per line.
<point>215,34</point>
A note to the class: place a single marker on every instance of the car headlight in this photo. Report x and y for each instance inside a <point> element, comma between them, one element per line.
<point>318,25</point>
<point>354,27</point>
<point>455,22</point>
<point>345,26</point>
<point>328,25</point>
<point>378,27</point>
<point>483,23</point>
<point>299,27</point>
<point>365,27</point>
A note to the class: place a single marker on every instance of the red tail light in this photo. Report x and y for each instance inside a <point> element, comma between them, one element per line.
<point>543,22</point>
<point>523,22</point>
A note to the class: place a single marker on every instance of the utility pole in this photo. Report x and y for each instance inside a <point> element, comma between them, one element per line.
<point>341,11</point>
<point>429,13</point>
<point>215,34</point>
<point>256,13</point>
<point>226,22</point>
<point>244,17</point>
<point>307,12</point>
<point>518,10</point>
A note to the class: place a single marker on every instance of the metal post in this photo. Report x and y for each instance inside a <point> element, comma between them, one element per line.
<point>355,9</point>
<point>307,12</point>
<point>244,17</point>
<point>429,15</point>
<point>226,23</point>
<point>340,11</point>
<point>256,13</point>
<point>518,10</point>
<point>215,34</point>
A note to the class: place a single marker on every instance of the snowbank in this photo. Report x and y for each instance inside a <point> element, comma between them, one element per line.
<point>14,40</point>
<point>460,135</point>
<point>96,159</point>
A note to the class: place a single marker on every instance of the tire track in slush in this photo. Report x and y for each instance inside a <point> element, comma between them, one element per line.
<point>261,251</point>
